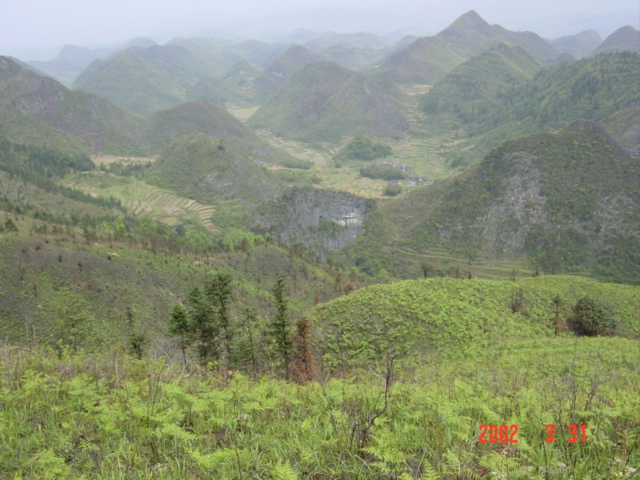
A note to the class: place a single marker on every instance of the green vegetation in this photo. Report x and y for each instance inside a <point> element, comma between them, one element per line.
<point>558,183</point>
<point>38,110</point>
<point>112,416</point>
<point>393,190</point>
<point>383,172</point>
<point>324,102</point>
<point>151,326</point>
<point>364,148</point>
<point>456,317</point>
<point>477,85</point>
<point>205,169</point>
<point>592,317</point>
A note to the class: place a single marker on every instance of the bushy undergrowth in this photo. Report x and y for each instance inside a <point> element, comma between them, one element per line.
<point>111,416</point>
<point>456,317</point>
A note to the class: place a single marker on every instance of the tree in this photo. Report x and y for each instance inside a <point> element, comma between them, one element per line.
<point>279,330</point>
<point>557,302</point>
<point>10,226</point>
<point>180,328</point>
<point>427,269</point>
<point>219,293</point>
<point>201,325</point>
<point>592,317</point>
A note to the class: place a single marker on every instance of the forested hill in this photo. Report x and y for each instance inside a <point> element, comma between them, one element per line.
<point>568,200</point>
<point>325,102</point>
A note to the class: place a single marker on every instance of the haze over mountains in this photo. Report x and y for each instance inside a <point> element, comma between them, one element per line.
<point>442,102</point>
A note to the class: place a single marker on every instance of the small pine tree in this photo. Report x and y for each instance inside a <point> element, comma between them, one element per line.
<point>180,328</point>
<point>279,330</point>
<point>219,293</point>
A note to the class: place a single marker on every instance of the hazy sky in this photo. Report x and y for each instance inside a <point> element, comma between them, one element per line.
<point>47,23</point>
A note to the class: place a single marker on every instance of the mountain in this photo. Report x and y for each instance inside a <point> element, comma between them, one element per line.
<point>202,117</point>
<point>133,83</point>
<point>624,39</point>
<point>70,62</point>
<point>567,199</point>
<point>153,78</point>
<point>282,68</point>
<point>353,57</point>
<point>601,89</point>
<point>579,45</point>
<point>209,170</point>
<point>476,85</point>
<point>428,59</point>
<point>325,102</point>
<point>40,111</point>
<point>234,87</point>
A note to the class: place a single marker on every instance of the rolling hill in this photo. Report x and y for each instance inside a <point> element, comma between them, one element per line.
<point>476,85</point>
<point>38,110</point>
<point>579,45</point>
<point>325,102</point>
<point>202,117</point>
<point>624,39</point>
<point>209,170</point>
<point>569,198</point>
<point>281,70</point>
<point>602,89</point>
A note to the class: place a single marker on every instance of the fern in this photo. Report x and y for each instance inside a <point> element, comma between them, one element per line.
<point>284,471</point>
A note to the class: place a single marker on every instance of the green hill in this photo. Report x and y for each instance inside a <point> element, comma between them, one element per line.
<point>281,70</point>
<point>579,45</point>
<point>134,84</point>
<point>567,201</point>
<point>449,317</point>
<point>624,39</point>
<point>428,59</point>
<point>325,102</point>
<point>207,170</point>
<point>202,117</point>
<point>38,110</point>
<point>477,84</point>
<point>602,89</point>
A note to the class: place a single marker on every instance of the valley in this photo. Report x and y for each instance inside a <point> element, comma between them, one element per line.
<point>323,255</point>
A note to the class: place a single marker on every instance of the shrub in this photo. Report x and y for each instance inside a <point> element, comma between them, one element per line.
<point>592,317</point>
<point>393,189</point>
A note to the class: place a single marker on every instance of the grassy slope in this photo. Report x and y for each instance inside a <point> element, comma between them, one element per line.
<point>452,317</point>
<point>97,415</point>
<point>592,89</point>
<point>98,282</point>
<point>133,84</point>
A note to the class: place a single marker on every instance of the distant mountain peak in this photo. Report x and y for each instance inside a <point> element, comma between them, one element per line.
<point>469,20</point>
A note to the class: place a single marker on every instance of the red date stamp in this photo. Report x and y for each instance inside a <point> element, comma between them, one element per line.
<point>507,434</point>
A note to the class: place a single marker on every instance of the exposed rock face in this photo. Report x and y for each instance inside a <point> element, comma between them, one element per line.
<point>512,215</point>
<point>321,220</point>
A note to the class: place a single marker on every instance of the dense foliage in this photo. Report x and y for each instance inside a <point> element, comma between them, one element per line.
<point>365,148</point>
<point>111,416</point>
<point>383,172</point>
<point>593,316</point>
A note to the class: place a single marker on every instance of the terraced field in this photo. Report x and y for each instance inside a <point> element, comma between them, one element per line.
<point>140,198</point>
